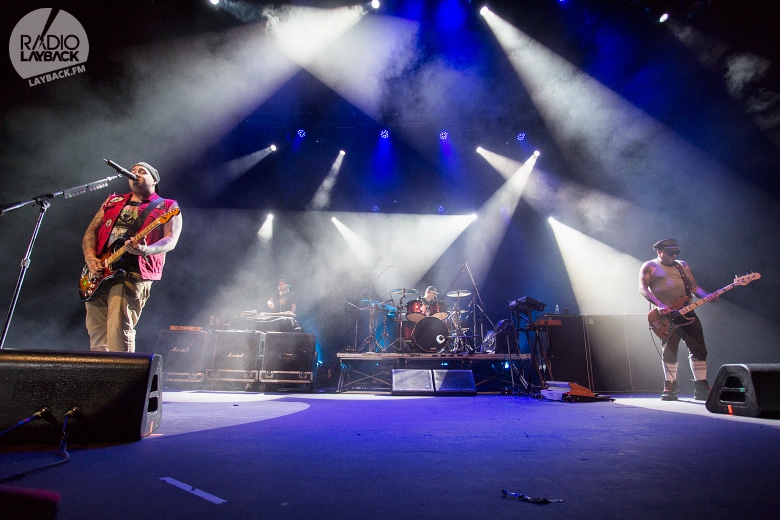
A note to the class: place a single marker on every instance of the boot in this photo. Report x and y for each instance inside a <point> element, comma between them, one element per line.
<point>701,390</point>
<point>670,391</point>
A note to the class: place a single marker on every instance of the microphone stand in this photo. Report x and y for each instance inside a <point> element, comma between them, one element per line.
<point>44,202</point>
<point>477,303</point>
<point>370,341</point>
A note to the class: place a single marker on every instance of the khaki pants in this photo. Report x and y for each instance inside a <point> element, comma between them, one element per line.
<point>114,313</point>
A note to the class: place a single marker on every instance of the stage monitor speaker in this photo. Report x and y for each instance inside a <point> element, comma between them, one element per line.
<point>118,395</point>
<point>408,381</point>
<point>454,382</point>
<point>747,390</point>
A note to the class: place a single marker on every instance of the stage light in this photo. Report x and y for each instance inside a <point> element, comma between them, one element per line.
<point>663,18</point>
<point>536,153</point>
<point>215,2</point>
<point>375,4</point>
<point>440,210</point>
<point>521,136</point>
<point>273,147</point>
<point>443,136</point>
<point>375,209</point>
<point>384,134</point>
<point>301,133</point>
<point>342,152</point>
<point>484,11</point>
<point>479,149</point>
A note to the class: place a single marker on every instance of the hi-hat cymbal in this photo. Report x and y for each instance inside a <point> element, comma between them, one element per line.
<point>458,294</point>
<point>401,291</point>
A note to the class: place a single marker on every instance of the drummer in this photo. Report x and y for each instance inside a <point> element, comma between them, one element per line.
<point>430,301</point>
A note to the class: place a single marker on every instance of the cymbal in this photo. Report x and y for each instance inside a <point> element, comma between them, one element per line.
<point>456,311</point>
<point>458,294</point>
<point>401,291</point>
<point>371,302</point>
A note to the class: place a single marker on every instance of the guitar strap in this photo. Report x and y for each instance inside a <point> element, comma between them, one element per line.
<point>155,201</point>
<point>684,279</point>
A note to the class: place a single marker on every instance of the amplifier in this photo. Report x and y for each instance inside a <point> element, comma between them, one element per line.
<point>185,354</point>
<point>236,354</point>
<point>288,357</point>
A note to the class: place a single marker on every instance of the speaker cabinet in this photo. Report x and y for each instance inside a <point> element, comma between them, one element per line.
<point>287,357</point>
<point>407,381</point>
<point>236,355</point>
<point>118,395</point>
<point>568,352</point>
<point>185,354</point>
<point>747,390</point>
<point>454,382</point>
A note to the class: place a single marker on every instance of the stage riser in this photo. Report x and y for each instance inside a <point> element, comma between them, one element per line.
<point>374,372</point>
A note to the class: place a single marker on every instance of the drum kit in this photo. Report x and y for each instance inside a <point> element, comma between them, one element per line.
<point>409,325</point>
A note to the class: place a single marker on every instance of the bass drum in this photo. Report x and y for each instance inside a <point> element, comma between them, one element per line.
<point>430,335</point>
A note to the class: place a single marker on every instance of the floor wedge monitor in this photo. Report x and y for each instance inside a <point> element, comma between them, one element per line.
<point>108,397</point>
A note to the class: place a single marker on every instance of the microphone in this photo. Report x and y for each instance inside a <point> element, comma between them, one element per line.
<point>121,171</point>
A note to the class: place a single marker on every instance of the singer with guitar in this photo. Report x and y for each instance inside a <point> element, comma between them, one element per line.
<point>124,249</point>
<point>666,282</point>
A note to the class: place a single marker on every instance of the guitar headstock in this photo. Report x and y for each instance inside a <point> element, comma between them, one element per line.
<point>168,216</point>
<point>746,278</point>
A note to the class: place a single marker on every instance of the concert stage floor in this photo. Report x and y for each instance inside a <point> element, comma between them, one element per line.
<point>372,455</point>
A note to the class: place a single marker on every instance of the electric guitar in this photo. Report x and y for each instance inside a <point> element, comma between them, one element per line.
<point>90,283</point>
<point>664,324</point>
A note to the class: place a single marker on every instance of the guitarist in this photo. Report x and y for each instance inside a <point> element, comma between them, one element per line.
<point>669,284</point>
<point>114,311</point>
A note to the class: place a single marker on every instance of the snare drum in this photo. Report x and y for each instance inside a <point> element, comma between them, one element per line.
<point>414,311</point>
<point>430,335</point>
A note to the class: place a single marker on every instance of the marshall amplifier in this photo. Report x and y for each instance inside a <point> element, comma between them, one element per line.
<point>236,354</point>
<point>185,353</point>
<point>288,357</point>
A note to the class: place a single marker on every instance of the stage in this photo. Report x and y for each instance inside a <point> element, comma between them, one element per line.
<point>372,455</point>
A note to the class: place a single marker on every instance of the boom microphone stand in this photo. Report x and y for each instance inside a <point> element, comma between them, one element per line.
<point>44,202</point>
<point>476,303</point>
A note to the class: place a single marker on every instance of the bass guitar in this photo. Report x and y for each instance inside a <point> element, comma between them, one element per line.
<point>664,324</point>
<point>90,283</point>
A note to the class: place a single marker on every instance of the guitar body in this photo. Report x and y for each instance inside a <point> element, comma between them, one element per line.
<point>90,284</point>
<point>664,324</point>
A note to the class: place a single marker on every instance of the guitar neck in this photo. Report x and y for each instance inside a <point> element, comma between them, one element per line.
<point>697,303</point>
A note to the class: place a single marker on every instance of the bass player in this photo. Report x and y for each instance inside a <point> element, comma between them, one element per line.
<point>668,284</point>
<point>115,307</point>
